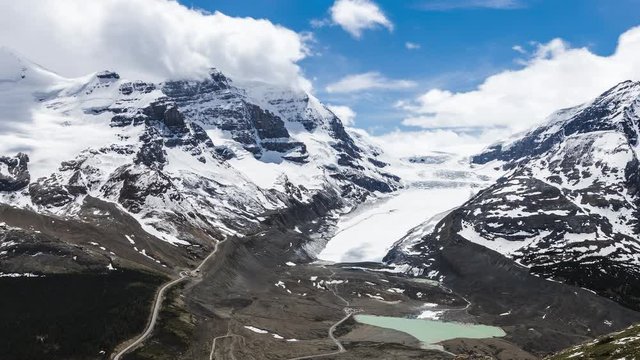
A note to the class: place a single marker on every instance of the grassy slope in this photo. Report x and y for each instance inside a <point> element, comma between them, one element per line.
<point>621,345</point>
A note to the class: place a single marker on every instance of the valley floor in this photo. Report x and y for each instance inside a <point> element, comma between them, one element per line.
<point>254,302</point>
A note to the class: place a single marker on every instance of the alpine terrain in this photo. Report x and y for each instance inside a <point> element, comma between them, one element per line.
<point>211,218</point>
<point>564,212</point>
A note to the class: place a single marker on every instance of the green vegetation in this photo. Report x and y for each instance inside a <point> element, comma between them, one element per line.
<point>621,345</point>
<point>172,334</point>
<point>72,316</point>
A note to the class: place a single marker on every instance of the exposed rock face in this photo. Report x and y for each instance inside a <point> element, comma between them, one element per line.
<point>567,210</point>
<point>181,156</point>
<point>611,111</point>
<point>229,108</point>
<point>129,88</point>
<point>108,75</point>
<point>49,192</point>
<point>136,184</point>
<point>14,172</point>
<point>168,115</point>
<point>151,152</point>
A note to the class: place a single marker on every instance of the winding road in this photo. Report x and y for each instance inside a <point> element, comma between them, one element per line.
<point>348,311</point>
<point>228,335</point>
<point>157,304</point>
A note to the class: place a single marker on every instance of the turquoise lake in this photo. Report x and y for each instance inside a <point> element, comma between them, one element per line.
<point>431,332</point>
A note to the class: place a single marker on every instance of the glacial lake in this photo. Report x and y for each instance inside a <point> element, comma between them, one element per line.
<point>431,332</point>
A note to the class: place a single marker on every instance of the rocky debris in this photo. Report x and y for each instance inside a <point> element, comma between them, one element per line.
<point>292,105</point>
<point>345,143</point>
<point>168,114</point>
<point>122,120</point>
<point>430,159</point>
<point>128,88</point>
<point>184,90</point>
<point>378,163</point>
<point>368,183</point>
<point>77,184</point>
<point>49,192</point>
<point>133,185</point>
<point>267,125</point>
<point>108,75</point>
<point>14,172</point>
<point>224,152</point>
<point>151,152</point>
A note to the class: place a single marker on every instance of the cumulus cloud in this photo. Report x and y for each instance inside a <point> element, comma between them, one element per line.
<point>555,77</point>
<point>518,49</point>
<point>355,16</point>
<point>445,5</point>
<point>344,113</point>
<point>368,81</point>
<point>155,39</point>
<point>408,143</point>
<point>412,46</point>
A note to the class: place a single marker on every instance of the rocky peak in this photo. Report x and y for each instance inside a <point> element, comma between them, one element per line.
<point>183,90</point>
<point>568,209</point>
<point>617,109</point>
<point>108,75</point>
<point>168,114</point>
<point>190,147</point>
<point>14,172</point>
<point>130,87</point>
<point>14,68</point>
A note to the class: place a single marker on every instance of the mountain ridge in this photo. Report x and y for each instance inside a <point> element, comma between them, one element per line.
<point>568,205</point>
<point>191,161</point>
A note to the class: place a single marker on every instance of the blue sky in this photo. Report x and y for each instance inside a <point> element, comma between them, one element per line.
<point>459,45</point>
<point>478,70</point>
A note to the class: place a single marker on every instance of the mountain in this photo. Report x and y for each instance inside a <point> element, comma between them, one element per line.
<point>566,210</point>
<point>571,202</point>
<point>111,188</point>
<point>191,161</point>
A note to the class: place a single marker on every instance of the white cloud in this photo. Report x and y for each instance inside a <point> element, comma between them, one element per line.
<point>319,23</point>
<point>153,39</point>
<point>355,16</point>
<point>344,113</point>
<point>367,81</point>
<point>412,46</point>
<point>519,49</point>
<point>408,143</point>
<point>445,5</point>
<point>557,76</point>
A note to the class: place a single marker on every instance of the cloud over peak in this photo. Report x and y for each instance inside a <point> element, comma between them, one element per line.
<point>344,113</point>
<point>156,39</point>
<point>556,76</point>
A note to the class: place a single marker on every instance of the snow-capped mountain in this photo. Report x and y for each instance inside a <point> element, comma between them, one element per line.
<point>567,208</point>
<point>189,159</point>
